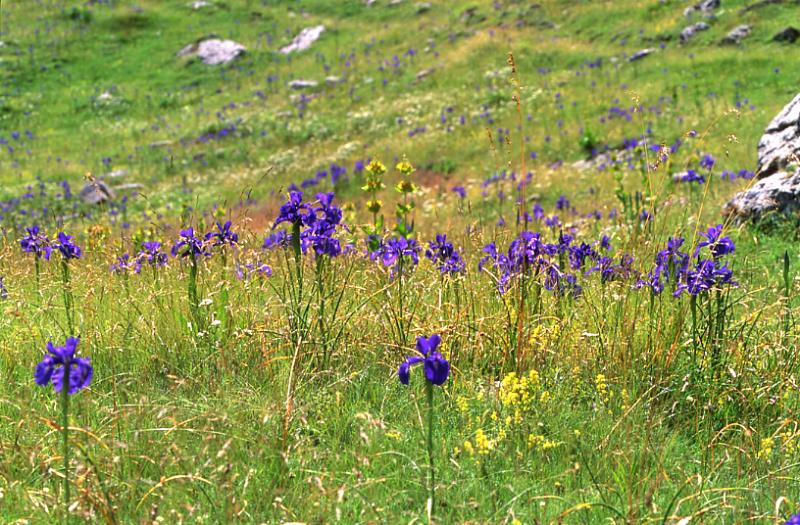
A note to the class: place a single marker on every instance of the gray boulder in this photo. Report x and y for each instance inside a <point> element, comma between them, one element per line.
<point>689,32</point>
<point>96,192</point>
<point>704,7</point>
<point>737,34</point>
<point>303,84</point>
<point>213,52</point>
<point>641,54</point>
<point>303,40</point>
<point>787,36</point>
<point>780,145</point>
<point>779,192</point>
<point>778,168</point>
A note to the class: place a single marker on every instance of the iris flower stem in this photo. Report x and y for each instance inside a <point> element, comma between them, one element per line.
<point>36,269</point>
<point>693,304</point>
<point>65,439</point>
<point>194,304</point>
<point>431,470</point>
<point>321,315</point>
<point>67,292</point>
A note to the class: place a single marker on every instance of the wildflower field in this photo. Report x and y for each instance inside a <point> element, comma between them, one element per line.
<point>452,262</point>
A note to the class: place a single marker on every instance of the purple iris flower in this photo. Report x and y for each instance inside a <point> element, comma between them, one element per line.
<point>692,176</point>
<point>460,191</point>
<point>294,211</point>
<point>68,249</point>
<point>189,244</point>
<point>152,254</point>
<point>223,235</point>
<point>122,265</point>
<point>59,359</point>
<point>717,244</point>
<point>707,162</point>
<point>794,520</point>
<point>705,276</point>
<point>444,255</point>
<point>279,239</point>
<point>36,243</point>
<point>436,367</point>
<point>337,172</point>
<point>394,251</point>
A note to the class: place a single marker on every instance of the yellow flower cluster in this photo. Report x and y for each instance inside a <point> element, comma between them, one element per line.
<point>520,393</point>
<point>543,336</point>
<point>541,443</point>
<point>405,167</point>
<point>766,448</point>
<point>603,390</point>
<point>376,167</point>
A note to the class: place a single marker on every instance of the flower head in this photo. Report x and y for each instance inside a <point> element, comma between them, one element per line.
<point>717,244</point>
<point>68,249</point>
<point>223,235</point>
<point>436,367</point>
<point>443,254</point>
<point>36,243</point>
<point>61,359</point>
<point>189,244</point>
<point>152,254</point>
<point>294,211</point>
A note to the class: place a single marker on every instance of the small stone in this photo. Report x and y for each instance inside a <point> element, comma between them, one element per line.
<point>778,153</point>
<point>303,40</point>
<point>737,34</point>
<point>689,32</point>
<point>213,52</point>
<point>423,7</point>
<point>199,4</point>
<point>116,174</point>
<point>425,72</point>
<point>787,36</point>
<point>641,54</point>
<point>705,7</point>
<point>303,84</point>
<point>96,192</point>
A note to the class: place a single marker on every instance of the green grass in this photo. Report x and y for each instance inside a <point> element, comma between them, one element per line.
<point>627,422</point>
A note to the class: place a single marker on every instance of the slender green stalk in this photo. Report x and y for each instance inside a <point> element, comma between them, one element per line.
<point>67,293</point>
<point>431,470</point>
<point>321,314</point>
<point>194,303</point>
<point>693,305</point>
<point>65,440</point>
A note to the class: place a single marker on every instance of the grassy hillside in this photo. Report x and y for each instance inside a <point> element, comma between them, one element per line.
<point>256,382</point>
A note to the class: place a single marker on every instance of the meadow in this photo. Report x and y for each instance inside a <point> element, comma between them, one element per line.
<point>474,270</point>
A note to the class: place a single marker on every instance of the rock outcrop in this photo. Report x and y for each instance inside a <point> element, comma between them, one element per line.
<point>213,52</point>
<point>689,32</point>
<point>737,34</point>
<point>303,40</point>
<point>778,168</point>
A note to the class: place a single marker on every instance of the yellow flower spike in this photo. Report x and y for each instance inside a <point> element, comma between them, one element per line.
<point>405,186</point>
<point>376,167</point>
<point>405,167</point>
<point>374,206</point>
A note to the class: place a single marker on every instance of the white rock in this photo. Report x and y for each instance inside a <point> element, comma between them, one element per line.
<point>302,84</point>
<point>778,161</point>
<point>214,52</point>
<point>737,34</point>
<point>692,30</point>
<point>778,192</point>
<point>304,39</point>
